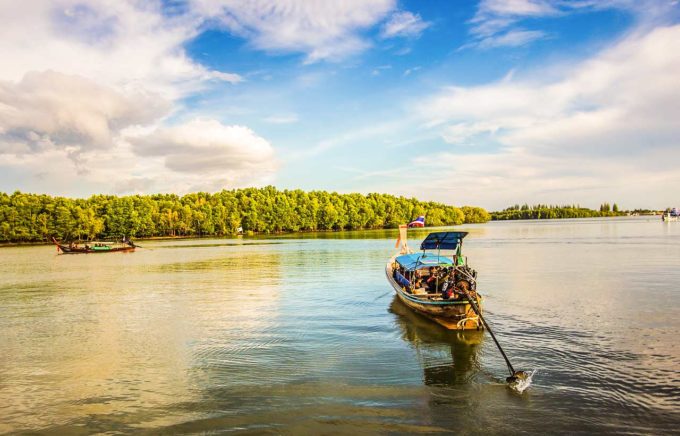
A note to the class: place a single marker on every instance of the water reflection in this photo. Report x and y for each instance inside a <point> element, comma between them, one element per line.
<point>414,234</point>
<point>448,357</point>
<point>127,333</point>
<point>295,336</point>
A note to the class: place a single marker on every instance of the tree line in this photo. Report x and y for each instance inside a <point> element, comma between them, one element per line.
<point>28,217</point>
<point>544,211</point>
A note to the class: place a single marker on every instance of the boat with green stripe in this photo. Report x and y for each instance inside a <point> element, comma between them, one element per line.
<point>436,282</point>
<point>94,247</point>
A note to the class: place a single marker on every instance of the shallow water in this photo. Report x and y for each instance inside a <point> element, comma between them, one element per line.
<point>303,334</point>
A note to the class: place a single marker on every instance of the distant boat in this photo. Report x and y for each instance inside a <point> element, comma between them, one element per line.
<point>94,247</point>
<point>435,284</point>
<point>671,215</point>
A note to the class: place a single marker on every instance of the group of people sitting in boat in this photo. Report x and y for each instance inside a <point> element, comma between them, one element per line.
<point>435,280</point>
<point>87,246</point>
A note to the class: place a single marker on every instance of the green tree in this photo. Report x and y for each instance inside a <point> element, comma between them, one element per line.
<point>31,217</point>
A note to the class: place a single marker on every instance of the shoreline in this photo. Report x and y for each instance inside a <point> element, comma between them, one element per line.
<point>188,237</point>
<point>307,232</point>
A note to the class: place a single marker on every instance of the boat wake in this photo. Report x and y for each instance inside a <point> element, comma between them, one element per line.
<point>521,384</point>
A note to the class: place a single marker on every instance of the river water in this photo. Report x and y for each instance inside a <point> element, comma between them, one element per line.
<point>302,334</point>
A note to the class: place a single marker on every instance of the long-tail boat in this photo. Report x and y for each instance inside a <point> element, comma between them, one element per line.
<point>436,284</point>
<point>94,247</point>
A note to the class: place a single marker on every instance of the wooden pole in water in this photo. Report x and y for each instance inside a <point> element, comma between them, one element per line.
<point>479,313</point>
<point>514,375</point>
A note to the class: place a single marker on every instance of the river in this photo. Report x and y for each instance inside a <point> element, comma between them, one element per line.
<point>302,334</point>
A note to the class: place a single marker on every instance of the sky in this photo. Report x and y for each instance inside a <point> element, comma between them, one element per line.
<point>488,103</point>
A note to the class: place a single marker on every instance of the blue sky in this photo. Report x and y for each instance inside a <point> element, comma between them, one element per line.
<point>487,103</point>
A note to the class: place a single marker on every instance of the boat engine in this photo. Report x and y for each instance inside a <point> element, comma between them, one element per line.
<point>466,278</point>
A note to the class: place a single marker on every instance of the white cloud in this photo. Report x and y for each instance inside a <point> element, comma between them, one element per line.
<point>409,71</point>
<point>137,185</point>
<point>81,77</point>
<point>513,38</point>
<point>608,123</point>
<point>322,29</point>
<point>207,148</point>
<point>496,16</point>
<point>117,43</point>
<point>53,109</point>
<point>404,24</point>
<point>533,8</point>
<point>494,23</point>
<point>498,180</point>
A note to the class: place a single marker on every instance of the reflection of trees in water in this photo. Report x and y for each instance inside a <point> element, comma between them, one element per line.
<point>414,234</point>
<point>448,357</point>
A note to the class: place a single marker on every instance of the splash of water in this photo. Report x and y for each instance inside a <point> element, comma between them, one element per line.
<point>520,385</point>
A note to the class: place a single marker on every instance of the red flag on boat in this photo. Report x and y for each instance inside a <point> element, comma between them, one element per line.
<point>419,222</point>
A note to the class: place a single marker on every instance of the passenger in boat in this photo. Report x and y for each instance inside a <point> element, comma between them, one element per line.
<point>444,278</point>
<point>396,270</point>
<point>432,280</point>
<point>402,281</point>
<point>447,291</point>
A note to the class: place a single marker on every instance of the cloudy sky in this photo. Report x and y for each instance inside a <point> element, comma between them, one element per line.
<point>487,103</point>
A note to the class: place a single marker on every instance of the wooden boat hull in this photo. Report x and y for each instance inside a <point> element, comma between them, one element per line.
<point>452,314</point>
<point>65,249</point>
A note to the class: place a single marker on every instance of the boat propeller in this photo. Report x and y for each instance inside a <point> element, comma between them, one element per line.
<point>517,376</point>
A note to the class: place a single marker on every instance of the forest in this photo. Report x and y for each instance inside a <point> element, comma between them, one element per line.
<point>37,217</point>
<point>544,211</point>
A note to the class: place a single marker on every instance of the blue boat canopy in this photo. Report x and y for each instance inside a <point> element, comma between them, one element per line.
<point>442,240</point>
<point>415,261</point>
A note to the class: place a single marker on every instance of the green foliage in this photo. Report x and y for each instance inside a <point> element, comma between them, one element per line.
<point>33,217</point>
<point>475,214</point>
<point>544,211</point>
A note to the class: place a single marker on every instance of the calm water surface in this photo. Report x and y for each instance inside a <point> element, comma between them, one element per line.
<point>303,335</point>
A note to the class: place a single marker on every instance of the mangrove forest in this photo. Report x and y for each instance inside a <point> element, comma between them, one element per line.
<point>37,217</point>
<point>544,211</point>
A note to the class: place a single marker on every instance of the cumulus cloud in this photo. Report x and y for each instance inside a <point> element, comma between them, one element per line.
<point>581,125</point>
<point>404,24</point>
<point>55,109</point>
<point>82,77</point>
<point>116,43</point>
<point>207,148</point>
<point>322,29</point>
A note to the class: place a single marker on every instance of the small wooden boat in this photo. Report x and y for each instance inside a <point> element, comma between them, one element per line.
<point>671,215</point>
<point>435,284</point>
<point>94,247</point>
